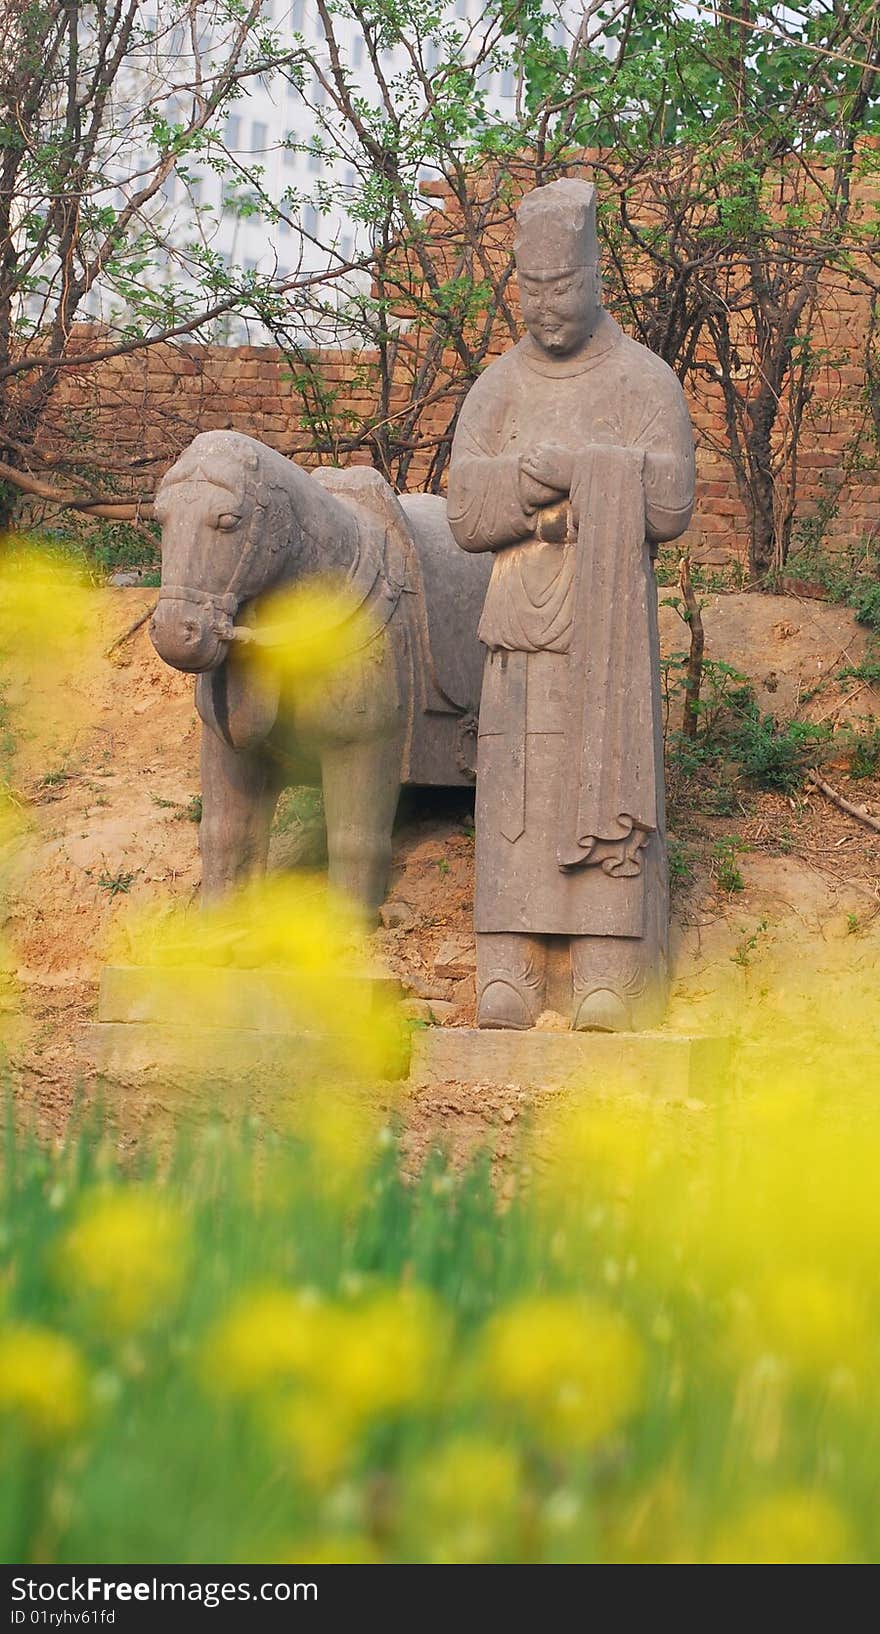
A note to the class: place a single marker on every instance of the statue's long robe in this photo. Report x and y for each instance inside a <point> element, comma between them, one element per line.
<point>570,808</point>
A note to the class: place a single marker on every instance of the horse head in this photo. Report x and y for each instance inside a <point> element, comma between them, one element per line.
<point>229,528</point>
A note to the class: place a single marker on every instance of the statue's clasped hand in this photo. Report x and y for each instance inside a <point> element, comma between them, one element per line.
<point>548,480</point>
<point>549,468</point>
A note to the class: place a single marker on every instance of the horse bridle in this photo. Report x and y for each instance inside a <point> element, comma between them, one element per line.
<point>225,605</point>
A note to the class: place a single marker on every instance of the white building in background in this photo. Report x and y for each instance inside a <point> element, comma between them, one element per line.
<point>286,133</point>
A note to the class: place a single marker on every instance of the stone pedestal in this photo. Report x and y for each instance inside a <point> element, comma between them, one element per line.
<point>225,1026</point>
<point>668,1064</point>
<point>203,1031</point>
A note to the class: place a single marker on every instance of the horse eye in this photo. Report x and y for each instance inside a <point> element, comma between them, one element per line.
<point>228,520</point>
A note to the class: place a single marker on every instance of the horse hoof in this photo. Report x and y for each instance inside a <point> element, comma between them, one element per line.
<point>502,1006</point>
<point>602,1012</point>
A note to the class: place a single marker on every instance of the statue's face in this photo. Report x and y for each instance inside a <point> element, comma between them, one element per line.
<point>560,309</point>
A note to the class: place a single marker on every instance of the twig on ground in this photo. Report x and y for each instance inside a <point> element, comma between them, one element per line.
<point>842,804</point>
<point>132,629</point>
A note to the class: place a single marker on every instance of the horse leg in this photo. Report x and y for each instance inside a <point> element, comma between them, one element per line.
<point>361,788</point>
<point>240,789</point>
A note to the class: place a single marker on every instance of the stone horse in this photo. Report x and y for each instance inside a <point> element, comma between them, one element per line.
<point>240,521</point>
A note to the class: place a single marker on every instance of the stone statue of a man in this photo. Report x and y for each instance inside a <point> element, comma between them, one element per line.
<point>572,459</point>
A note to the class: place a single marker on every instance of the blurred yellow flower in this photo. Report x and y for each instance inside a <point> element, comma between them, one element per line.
<point>43,1380</point>
<point>341,1132</point>
<point>464,1501</point>
<point>45,602</point>
<point>127,1254</point>
<point>320,1371</point>
<point>269,1337</point>
<point>810,1322</point>
<point>309,942</point>
<point>386,1352</point>
<point>791,1528</point>
<point>46,608</point>
<point>320,1432</point>
<point>574,1366</point>
<point>589,1152</point>
<point>310,632</point>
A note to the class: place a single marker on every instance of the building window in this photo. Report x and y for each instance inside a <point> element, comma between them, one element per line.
<point>259,136</point>
<point>318,92</point>
<point>345,247</point>
<point>507,82</point>
<point>283,226</point>
<point>249,264</point>
<point>290,154</point>
<point>296,15</point>
<point>316,161</point>
<point>310,221</point>
<point>232,133</point>
<point>357,51</point>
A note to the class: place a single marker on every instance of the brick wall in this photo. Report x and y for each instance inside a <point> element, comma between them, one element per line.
<point>137,413</point>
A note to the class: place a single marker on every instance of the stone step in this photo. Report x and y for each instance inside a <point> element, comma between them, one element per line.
<point>230,999</point>
<point>667,1064</point>
<point>217,1055</point>
<point>228,1026</point>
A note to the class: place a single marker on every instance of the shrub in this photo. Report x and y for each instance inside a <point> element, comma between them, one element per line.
<point>774,755</point>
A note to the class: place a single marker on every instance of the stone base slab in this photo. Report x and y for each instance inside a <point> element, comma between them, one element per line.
<point>666,1064</point>
<point>230,999</point>
<point>200,1030</point>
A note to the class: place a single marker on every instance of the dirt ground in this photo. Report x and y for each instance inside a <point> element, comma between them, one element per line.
<point>113,824</point>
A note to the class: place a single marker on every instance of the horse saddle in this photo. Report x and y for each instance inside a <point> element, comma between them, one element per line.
<point>388,567</point>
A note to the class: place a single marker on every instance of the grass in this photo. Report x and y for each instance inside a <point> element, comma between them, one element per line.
<point>282,1348</point>
<point>118,884</point>
<point>725,866</point>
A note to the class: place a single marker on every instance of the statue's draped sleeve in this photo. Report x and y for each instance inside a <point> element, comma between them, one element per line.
<point>668,474</point>
<point>485,507</point>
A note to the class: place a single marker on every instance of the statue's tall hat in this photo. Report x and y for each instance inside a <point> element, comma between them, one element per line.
<point>556,228</point>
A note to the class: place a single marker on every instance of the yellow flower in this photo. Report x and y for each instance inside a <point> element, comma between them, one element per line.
<point>45,612</point>
<point>45,603</point>
<point>811,1322</point>
<point>464,1501</point>
<point>573,1366</point>
<point>320,1432</point>
<point>341,1133</point>
<point>127,1254</point>
<point>42,1380</point>
<point>309,632</point>
<point>386,1353</point>
<point>269,1337</point>
<point>308,939</point>
<point>793,1528</point>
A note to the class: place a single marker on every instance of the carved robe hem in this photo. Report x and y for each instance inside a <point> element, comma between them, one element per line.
<point>521,776</point>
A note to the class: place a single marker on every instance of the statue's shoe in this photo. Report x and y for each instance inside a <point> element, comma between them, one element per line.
<point>502,1006</point>
<point>602,1011</point>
